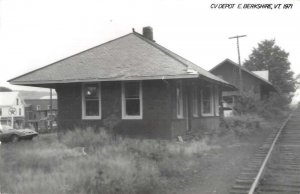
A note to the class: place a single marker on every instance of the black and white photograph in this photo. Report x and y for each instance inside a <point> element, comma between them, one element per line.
<point>149,97</point>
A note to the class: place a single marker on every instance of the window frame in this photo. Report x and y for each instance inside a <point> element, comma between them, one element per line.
<point>195,101</point>
<point>211,113</point>
<point>179,114</point>
<point>123,100</point>
<point>83,102</point>
<point>38,107</point>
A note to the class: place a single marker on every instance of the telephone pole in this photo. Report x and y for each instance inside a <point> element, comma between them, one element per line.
<point>239,57</point>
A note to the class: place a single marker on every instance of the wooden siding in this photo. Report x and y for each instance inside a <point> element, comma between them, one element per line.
<point>251,85</point>
<point>159,110</point>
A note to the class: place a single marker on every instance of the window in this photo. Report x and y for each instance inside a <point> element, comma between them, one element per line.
<point>48,107</point>
<point>179,100</point>
<point>207,101</point>
<point>20,111</point>
<point>228,99</point>
<point>195,101</point>
<point>17,101</point>
<point>91,101</point>
<point>217,101</point>
<point>132,104</point>
<point>38,107</point>
<point>0,111</point>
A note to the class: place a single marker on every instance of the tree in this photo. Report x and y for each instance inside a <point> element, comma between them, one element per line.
<point>269,56</point>
<point>5,89</point>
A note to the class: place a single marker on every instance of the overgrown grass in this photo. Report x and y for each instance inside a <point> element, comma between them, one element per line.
<point>107,164</point>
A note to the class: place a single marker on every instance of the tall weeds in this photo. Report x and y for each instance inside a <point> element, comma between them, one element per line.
<point>105,164</point>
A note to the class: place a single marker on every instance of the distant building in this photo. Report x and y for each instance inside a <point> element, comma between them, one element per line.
<point>39,115</point>
<point>12,107</point>
<point>254,83</point>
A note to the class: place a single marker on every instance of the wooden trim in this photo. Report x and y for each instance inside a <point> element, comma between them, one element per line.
<point>211,103</point>
<point>83,106</point>
<point>123,104</point>
<point>195,101</point>
<point>180,115</point>
<point>217,100</point>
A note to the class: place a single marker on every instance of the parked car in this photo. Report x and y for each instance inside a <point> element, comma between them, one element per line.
<point>9,134</point>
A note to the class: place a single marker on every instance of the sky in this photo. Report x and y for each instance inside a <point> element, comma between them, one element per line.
<point>35,33</point>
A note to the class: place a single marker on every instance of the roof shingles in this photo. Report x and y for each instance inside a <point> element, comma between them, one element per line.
<point>130,57</point>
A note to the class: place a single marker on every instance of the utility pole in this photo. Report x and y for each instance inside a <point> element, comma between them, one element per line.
<point>239,57</point>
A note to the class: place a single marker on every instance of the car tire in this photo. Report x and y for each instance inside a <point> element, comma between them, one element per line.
<point>14,138</point>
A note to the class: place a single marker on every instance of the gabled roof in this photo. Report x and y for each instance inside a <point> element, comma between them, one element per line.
<point>130,57</point>
<point>228,61</point>
<point>9,99</point>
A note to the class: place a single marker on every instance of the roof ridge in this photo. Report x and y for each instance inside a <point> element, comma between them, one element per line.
<point>156,45</point>
<point>244,69</point>
<point>171,53</point>
<point>53,63</point>
<point>248,71</point>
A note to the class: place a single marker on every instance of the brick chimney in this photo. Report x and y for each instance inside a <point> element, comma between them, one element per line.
<point>148,32</point>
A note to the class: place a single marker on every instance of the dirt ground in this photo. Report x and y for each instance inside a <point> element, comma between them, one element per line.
<point>219,167</point>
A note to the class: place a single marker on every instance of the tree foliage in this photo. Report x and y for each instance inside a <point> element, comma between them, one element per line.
<point>5,89</point>
<point>269,56</point>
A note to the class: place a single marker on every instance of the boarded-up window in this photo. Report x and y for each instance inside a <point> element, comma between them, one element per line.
<point>91,101</point>
<point>207,101</point>
<point>179,100</point>
<point>132,100</point>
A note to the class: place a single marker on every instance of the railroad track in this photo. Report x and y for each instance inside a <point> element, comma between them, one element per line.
<point>275,167</point>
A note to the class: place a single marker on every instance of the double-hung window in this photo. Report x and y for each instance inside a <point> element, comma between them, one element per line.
<point>132,100</point>
<point>207,101</point>
<point>91,101</point>
<point>179,100</point>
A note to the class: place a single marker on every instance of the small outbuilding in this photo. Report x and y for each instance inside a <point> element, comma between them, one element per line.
<point>132,86</point>
<point>255,84</point>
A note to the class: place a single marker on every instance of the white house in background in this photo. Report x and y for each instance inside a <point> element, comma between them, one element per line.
<point>12,101</point>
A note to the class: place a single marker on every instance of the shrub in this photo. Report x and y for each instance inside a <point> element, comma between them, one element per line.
<point>243,125</point>
<point>275,106</point>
